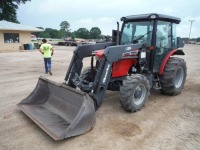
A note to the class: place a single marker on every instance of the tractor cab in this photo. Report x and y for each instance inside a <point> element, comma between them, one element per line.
<point>157,32</point>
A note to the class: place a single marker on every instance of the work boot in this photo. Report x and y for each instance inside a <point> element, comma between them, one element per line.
<point>50,73</point>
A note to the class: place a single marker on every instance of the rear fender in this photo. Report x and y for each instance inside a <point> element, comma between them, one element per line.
<point>171,53</point>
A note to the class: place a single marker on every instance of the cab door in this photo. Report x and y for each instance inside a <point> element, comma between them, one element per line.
<point>165,42</point>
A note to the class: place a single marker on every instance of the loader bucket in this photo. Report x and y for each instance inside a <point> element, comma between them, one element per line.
<point>59,110</point>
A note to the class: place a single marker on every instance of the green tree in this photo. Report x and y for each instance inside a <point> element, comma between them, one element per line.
<point>73,35</point>
<point>60,34</point>
<point>198,39</point>
<point>82,33</point>
<point>8,9</point>
<point>40,28</point>
<point>95,33</point>
<point>46,35</point>
<point>64,27</point>
<point>52,32</point>
<point>38,34</point>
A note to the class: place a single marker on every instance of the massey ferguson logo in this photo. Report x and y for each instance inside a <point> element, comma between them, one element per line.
<point>106,74</point>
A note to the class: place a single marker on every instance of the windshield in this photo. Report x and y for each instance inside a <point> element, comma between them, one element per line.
<point>137,32</point>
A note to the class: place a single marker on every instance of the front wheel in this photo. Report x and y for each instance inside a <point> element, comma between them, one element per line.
<point>174,76</point>
<point>87,74</point>
<point>134,92</point>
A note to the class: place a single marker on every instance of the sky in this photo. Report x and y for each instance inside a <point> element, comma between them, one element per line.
<point>105,13</point>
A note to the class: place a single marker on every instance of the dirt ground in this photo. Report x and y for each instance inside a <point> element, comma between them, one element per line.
<point>165,123</point>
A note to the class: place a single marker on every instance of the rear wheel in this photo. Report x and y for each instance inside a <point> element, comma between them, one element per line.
<point>174,75</point>
<point>134,92</point>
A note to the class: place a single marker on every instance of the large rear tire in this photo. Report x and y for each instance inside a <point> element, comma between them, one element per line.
<point>174,76</point>
<point>134,92</point>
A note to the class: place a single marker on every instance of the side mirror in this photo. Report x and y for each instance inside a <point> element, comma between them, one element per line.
<point>180,42</point>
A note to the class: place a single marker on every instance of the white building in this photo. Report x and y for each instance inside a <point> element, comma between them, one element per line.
<point>13,36</point>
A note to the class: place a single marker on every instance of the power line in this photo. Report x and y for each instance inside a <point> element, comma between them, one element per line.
<point>191,22</point>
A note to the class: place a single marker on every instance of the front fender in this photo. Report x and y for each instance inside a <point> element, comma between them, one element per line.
<point>171,53</point>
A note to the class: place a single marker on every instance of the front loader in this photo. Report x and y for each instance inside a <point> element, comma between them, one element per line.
<point>140,58</point>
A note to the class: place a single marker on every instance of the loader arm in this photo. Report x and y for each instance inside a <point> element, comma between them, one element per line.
<point>79,53</point>
<point>103,73</point>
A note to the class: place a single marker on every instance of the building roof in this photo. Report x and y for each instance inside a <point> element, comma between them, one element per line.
<point>6,25</point>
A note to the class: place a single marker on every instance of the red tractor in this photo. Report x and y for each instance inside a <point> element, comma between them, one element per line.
<point>141,58</point>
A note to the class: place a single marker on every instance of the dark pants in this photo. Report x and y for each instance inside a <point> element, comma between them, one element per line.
<point>47,64</point>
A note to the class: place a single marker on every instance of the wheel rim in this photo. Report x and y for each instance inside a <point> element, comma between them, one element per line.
<point>139,94</point>
<point>179,77</point>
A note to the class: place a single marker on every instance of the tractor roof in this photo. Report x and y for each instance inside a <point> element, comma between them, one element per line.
<point>151,16</point>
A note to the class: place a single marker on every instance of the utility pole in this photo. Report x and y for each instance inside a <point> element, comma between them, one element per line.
<point>191,22</point>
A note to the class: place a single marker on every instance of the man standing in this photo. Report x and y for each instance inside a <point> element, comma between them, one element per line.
<point>47,51</point>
